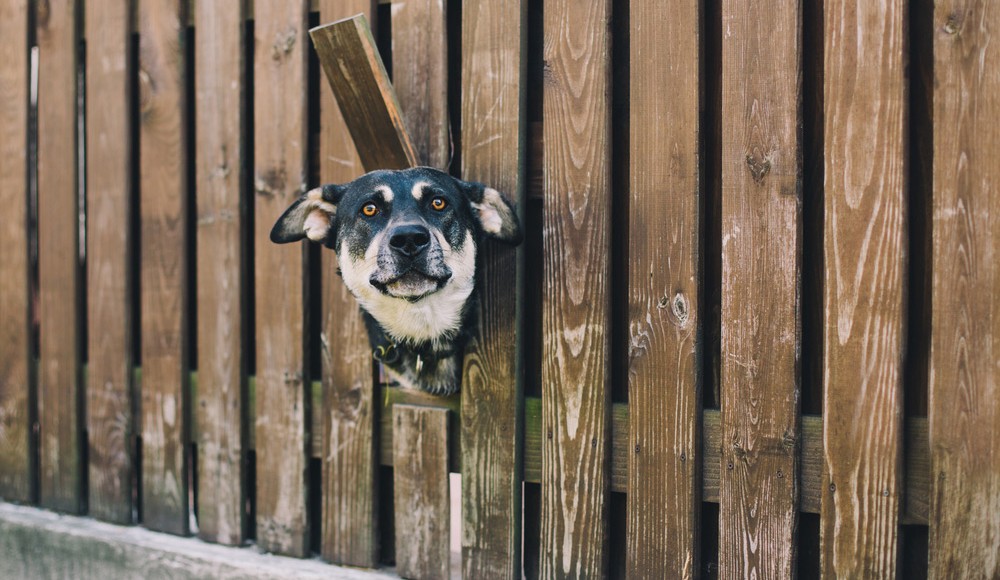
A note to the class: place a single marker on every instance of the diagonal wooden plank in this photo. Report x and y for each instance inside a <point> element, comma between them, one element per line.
<point>761,198</point>
<point>15,468</point>
<point>865,156</point>
<point>493,132</point>
<point>220,174</point>
<point>664,310</point>
<point>576,305</point>
<point>349,413</point>
<point>110,278</point>
<point>164,269</point>
<point>59,279</point>
<point>964,376</point>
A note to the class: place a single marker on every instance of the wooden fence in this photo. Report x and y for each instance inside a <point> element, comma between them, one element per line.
<point>751,333</point>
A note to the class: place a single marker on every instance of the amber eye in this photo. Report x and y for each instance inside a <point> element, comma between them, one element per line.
<point>438,203</point>
<point>369,210</point>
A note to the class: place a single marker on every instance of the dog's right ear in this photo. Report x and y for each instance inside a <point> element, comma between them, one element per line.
<point>311,216</point>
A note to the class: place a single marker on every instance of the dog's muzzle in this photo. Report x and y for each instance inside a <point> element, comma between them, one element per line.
<point>411,265</point>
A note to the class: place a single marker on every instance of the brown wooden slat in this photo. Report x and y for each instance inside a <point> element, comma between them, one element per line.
<point>760,288</point>
<point>220,181</point>
<point>663,307</point>
<point>164,268</point>
<point>864,152</point>
<point>420,76</point>
<point>349,412</point>
<point>15,471</point>
<point>280,175</point>
<point>965,378</point>
<point>59,413</point>
<point>491,418</point>
<point>354,71</point>
<point>420,485</point>
<point>110,423</point>
<point>576,304</point>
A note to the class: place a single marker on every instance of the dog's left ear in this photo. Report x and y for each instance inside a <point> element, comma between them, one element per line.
<point>495,214</point>
<point>311,216</point>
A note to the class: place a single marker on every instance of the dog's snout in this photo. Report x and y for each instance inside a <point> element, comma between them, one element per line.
<point>410,240</point>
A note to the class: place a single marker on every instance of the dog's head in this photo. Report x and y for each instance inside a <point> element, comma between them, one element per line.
<point>406,243</point>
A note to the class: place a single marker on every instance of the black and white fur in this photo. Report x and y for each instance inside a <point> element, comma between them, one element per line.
<point>410,262</point>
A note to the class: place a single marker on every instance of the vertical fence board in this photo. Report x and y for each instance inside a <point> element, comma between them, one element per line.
<point>493,137</point>
<point>220,175</point>
<point>59,282</point>
<point>664,499</point>
<point>865,231</point>
<point>576,305</point>
<point>761,159</point>
<point>109,256</point>
<point>15,477</point>
<point>965,378</point>
<point>349,407</point>
<point>420,76</point>
<point>420,483</point>
<point>163,208</point>
<point>279,179</point>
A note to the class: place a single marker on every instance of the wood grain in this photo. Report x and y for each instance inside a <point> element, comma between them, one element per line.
<point>865,192</point>
<point>965,378</point>
<point>15,471</point>
<point>164,269</point>
<point>349,411</point>
<point>663,306</point>
<point>280,174</point>
<point>420,484</point>
<point>355,73</point>
<point>60,325</point>
<point>493,137</point>
<point>220,174</point>
<point>420,76</point>
<point>761,245</point>
<point>576,303</point>
<point>110,284</point>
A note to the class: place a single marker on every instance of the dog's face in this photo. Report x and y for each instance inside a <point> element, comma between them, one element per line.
<point>406,243</point>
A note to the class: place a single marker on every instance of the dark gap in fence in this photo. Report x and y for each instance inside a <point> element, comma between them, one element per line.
<point>531,531</point>
<point>83,449</point>
<point>315,500</point>
<point>251,496</point>
<point>617,525</point>
<point>920,139</point>
<point>710,199</point>
<point>620,201</point>
<point>137,470</point>
<point>193,481</point>
<point>807,545</point>
<point>386,517</point>
<point>811,230</point>
<point>31,223</point>
<point>454,31</point>
<point>913,552</point>
<point>189,326</point>
<point>249,346</point>
<point>313,271</point>
<point>382,30</point>
<point>534,264</point>
<point>135,265</point>
<point>709,541</point>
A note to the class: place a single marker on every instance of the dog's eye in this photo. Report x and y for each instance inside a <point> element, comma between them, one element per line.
<point>369,210</point>
<point>438,203</point>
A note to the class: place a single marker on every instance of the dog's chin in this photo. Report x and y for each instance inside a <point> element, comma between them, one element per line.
<point>411,286</point>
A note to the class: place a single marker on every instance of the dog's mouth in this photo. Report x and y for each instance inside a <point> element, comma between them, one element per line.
<point>411,285</point>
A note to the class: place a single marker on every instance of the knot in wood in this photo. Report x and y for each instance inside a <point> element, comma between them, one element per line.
<point>953,24</point>
<point>759,166</point>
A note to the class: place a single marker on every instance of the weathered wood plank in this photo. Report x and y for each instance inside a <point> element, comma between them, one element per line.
<point>163,209</point>
<point>663,307</point>
<point>865,153</point>
<point>280,175</point>
<point>420,76</point>
<point>220,174</point>
<point>420,482</point>
<point>60,324</point>
<point>15,471</point>
<point>355,72</point>
<point>110,423</point>
<point>576,304</point>
<point>965,378</point>
<point>349,412</point>
<point>493,137</point>
<point>761,174</point>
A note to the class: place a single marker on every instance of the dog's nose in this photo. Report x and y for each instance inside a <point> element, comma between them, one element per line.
<point>410,240</point>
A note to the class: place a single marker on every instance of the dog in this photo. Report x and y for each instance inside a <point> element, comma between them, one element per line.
<point>406,244</point>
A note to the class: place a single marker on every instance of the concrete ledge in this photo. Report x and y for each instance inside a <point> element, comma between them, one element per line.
<point>38,544</point>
